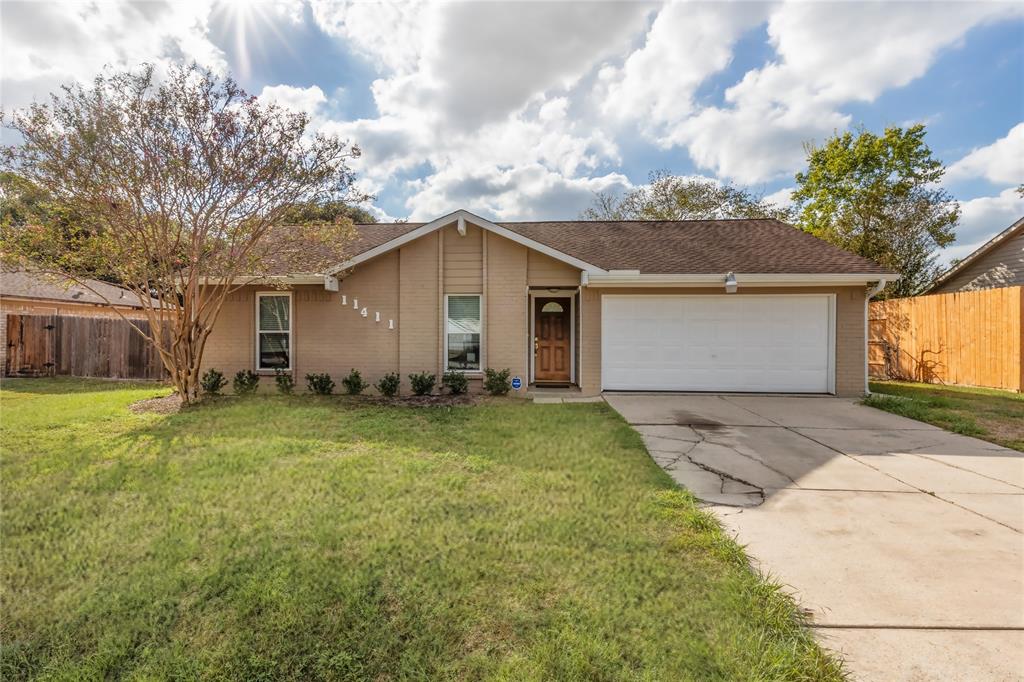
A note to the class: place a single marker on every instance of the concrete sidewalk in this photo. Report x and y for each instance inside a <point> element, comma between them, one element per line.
<point>904,541</point>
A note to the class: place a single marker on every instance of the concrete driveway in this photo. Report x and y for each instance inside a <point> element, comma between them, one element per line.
<point>902,540</point>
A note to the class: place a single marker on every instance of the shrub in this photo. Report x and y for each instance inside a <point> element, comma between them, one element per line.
<point>246,382</point>
<point>455,382</point>
<point>354,383</point>
<point>497,382</point>
<point>320,384</point>
<point>285,382</point>
<point>422,383</point>
<point>389,385</point>
<point>212,382</point>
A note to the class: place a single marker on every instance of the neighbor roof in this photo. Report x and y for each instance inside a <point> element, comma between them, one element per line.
<point>670,246</point>
<point>976,254</point>
<point>29,283</point>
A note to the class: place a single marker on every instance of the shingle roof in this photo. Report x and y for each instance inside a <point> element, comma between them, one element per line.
<point>672,247</point>
<point>26,283</point>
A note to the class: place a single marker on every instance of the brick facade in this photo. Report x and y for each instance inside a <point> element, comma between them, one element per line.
<point>407,285</point>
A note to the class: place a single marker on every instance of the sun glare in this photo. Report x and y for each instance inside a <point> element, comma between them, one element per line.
<point>251,24</point>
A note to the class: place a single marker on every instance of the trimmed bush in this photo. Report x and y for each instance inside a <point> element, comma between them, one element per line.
<point>353,383</point>
<point>246,382</point>
<point>389,384</point>
<point>497,382</point>
<point>455,382</point>
<point>212,382</point>
<point>285,382</point>
<point>422,383</point>
<point>320,384</point>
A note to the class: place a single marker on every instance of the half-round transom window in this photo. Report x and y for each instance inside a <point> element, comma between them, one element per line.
<point>552,307</point>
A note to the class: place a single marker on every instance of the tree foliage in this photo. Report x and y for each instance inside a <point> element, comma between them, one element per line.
<point>177,186</point>
<point>675,197</point>
<point>878,196</point>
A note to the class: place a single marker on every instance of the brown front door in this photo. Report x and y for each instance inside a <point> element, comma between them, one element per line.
<point>552,345</point>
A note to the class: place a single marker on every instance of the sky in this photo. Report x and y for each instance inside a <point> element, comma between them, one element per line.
<point>525,110</point>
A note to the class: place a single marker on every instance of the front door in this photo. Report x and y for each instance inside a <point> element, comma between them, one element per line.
<point>552,343</point>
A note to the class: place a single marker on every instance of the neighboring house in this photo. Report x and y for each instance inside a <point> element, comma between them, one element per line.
<point>998,263</point>
<point>29,292</point>
<point>720,305</point>
<point>24,291</point>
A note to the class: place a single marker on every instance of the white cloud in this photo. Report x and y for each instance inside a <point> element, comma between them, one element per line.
<point>308,99</point>
<point>984,217</point>
<point>757,135</point>
<point>46,44</point>
<point>686,43</point>
<point>1001,162</point>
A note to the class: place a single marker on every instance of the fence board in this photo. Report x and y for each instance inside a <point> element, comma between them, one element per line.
<point>66,345</point>
<point>966,337</point>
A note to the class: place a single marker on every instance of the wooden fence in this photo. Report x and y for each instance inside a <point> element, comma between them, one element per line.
<point>63,345</point>
<point>971,338</point>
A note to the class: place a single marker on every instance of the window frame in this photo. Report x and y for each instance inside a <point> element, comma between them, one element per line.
<point>444,331</point>
<point>291,336</point>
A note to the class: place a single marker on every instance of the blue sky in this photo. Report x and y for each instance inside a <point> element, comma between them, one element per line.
<point>525,110</point>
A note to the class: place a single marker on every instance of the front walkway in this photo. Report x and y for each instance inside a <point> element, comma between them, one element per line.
<point>903,540</point>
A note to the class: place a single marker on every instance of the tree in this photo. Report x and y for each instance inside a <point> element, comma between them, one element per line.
<point>328,212</point>
<point>879,197</point>
<point>675,197</point>
<point>179,188</point>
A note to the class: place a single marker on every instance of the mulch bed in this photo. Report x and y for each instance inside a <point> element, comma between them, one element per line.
<point>169,404</point>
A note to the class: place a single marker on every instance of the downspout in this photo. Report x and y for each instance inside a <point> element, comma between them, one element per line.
<point>871,293</point>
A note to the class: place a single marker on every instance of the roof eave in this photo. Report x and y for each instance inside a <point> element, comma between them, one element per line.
<point>619,279</point>
<point>450,219</point>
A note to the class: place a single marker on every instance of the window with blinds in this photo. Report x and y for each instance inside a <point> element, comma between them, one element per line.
<point>462,332</point>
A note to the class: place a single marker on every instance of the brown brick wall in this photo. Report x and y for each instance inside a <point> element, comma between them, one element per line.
<point>407,285</point>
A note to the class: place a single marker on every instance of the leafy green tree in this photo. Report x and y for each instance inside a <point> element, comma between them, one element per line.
<point>327,212</point>
<point>676,197</point>
<point>878,196</point>
<point>179,188</point>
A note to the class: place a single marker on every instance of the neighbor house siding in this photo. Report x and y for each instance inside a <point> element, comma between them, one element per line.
<point>1003,266</point>
<point>850,339</point>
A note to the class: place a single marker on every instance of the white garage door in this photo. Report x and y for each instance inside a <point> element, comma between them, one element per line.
<point>717,343</point>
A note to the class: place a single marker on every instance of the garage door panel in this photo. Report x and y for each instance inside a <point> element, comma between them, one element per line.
<point>716,343</point>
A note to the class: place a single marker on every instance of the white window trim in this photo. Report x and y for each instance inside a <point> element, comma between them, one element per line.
<point>444,366</point>
<point>558,293</point>
<point>291,335</point>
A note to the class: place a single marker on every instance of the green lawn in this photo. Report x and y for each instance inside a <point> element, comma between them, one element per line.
<point>995,416</point>
<point>299,538</point>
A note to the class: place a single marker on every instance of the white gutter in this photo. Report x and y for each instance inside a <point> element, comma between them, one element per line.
<point>627,278</point>
<point>871,293</point>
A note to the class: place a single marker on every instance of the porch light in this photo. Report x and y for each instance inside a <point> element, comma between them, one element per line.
<point>730,283</point>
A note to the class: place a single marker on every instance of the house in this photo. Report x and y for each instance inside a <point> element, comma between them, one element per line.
<point>719,305</point>
<point>999,262</point>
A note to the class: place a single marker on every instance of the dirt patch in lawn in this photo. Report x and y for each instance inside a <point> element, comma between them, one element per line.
<point>168,404</point>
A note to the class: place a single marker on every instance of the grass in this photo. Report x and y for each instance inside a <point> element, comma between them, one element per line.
<point>312,538</point>
<point>989,414</point>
